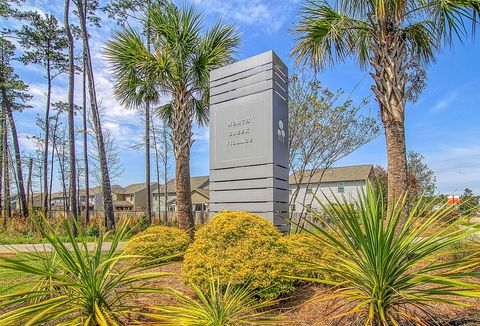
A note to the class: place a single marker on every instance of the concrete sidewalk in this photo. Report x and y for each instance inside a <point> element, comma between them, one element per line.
<point>43,247</point>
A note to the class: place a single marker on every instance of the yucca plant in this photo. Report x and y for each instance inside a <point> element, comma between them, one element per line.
<point>388,271</point>
<point>83,286</point>
<point>218,306</point>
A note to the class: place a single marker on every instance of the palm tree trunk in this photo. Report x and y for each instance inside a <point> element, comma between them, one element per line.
<point>71,122</point>
<point>396,161</point>
<point>182,140</point>
<point>106,186</point>
<point>18,158</point>
<point>184,196</point>
<point>390,81</point>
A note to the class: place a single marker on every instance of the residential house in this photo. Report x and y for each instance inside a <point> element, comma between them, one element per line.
<point>343,183</point>
<point>199,190</point>
<point>132,198</point>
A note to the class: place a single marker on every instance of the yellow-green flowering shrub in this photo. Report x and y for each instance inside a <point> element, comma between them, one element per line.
<point>157,242</point>
<point>239,248</point>
<point>304,252</point>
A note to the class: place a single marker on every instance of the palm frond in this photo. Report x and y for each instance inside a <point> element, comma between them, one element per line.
<point>453,17</point>
<point>128,55</point>
<point>327,36</point>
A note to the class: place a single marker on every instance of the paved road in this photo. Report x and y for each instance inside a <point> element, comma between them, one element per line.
<point>42,247</point>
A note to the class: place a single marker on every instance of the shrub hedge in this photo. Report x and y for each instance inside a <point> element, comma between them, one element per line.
<point>157,242</point>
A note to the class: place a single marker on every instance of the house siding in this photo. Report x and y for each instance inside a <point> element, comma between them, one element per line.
<point>327,191</point>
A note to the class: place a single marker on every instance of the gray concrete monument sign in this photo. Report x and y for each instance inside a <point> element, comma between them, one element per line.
<point>249,138</point>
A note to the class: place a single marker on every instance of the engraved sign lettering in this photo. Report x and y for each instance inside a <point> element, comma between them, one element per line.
<point>239,132</point>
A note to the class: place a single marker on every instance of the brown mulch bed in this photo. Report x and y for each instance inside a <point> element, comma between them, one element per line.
<point>305,307</point>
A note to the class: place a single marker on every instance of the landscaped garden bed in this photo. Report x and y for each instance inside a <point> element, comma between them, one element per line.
<point>362,266</point>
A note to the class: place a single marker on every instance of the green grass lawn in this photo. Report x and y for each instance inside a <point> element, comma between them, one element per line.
<point>11,281</point>
<point>8,239</point>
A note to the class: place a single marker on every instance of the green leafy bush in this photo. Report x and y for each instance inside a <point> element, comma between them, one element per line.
<point>158,242</point>
<point>303,253</point>
<point>239,248</point>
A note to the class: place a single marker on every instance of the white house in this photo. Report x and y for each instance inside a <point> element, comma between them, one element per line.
<point>341,182</point>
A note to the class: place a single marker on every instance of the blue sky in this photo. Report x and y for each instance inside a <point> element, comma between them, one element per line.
<point>443,125</point>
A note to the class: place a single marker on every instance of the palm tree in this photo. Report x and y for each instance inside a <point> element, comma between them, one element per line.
<point>383,35</point>
<point>179,66</point>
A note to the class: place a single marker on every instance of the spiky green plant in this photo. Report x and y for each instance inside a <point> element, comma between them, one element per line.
<point>218,306</point>
<point>82,285</point>
<point>390,275</point>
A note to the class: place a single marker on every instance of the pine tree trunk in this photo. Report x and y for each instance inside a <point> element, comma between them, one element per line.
<point>182,139</point>
<point>7,209</point>
<point>109,218</point>
<point>71,123</point>
<point>52,158</point>
<point>147,136</point>
<point>18,158</point>
<point>85,145</point>
<point>46,204</point>
<point>157,168</point>
<point>147,163</point>
<point>29,183</point>
<point>2,135</point>
<point>165,169</point>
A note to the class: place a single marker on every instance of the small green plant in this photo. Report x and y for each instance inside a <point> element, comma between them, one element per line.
<point>93,231</point>
<point>389,264</point>
<point>158,241</point>
<point>76,285</point>
<point>217,306</point>
<point>240,248</point>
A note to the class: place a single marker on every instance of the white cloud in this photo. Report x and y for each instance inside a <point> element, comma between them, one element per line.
<point>26,143</point>
<point>445,102</point>
<point>456,166</point>
<point>256,12</point>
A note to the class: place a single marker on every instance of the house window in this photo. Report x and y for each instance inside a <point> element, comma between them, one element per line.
<point>341,187</point>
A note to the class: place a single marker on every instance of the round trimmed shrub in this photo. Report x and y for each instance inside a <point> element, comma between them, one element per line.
<point>157,242</point>
<point>239,248</point>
